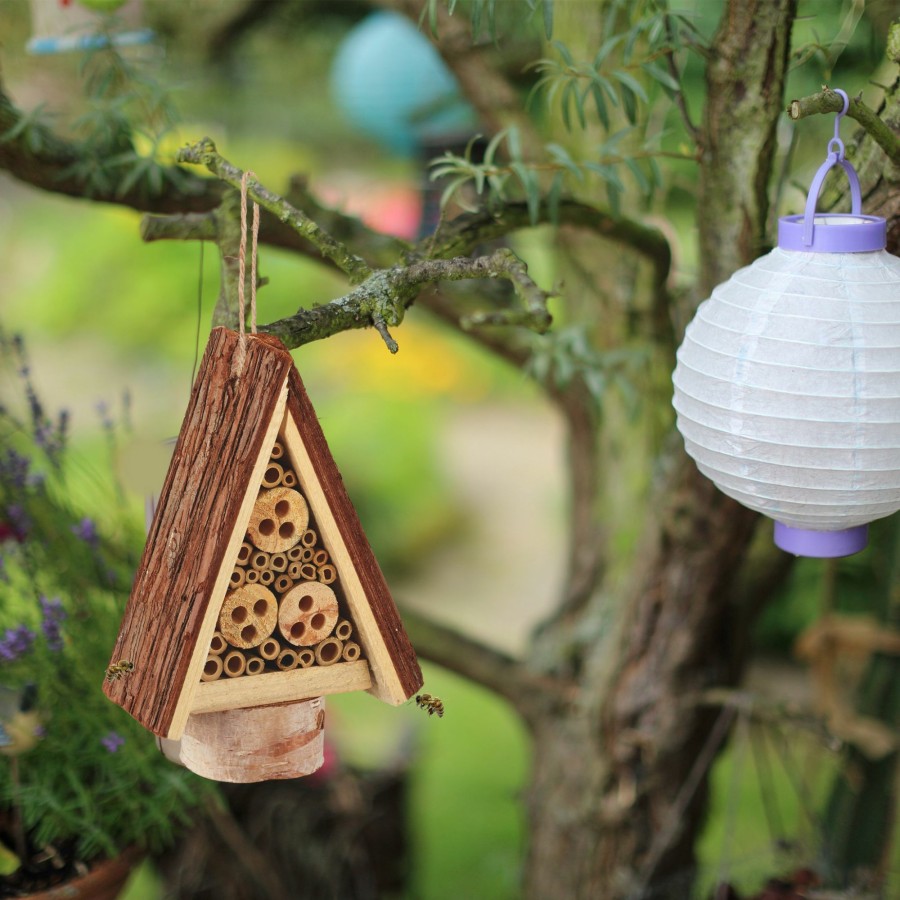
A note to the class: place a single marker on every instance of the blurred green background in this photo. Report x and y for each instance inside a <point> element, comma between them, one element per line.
<point>453,460</point>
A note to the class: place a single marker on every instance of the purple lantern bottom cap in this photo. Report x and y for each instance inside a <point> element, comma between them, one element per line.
<point>821,544</point>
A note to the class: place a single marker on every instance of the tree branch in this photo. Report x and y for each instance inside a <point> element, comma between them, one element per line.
<point>204,153</point>
<point>489,667</point>
<point>383,298</point>
<point>827,101</point>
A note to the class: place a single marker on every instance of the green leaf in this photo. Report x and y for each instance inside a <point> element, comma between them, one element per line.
<point>564,52</point>
<point>596,90</point>
<point>493,144</point>
<point>605,49</point>
<point>659,74</point>
<point>528,180</point>
<point>639,176</point>
<point>561,156</point>
<point>548,18</point>
<point>554,195</point>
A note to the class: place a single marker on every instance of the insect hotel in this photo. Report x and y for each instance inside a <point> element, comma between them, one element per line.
<point>257,593</point>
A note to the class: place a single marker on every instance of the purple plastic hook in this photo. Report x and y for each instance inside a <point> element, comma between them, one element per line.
<point>835,157</point>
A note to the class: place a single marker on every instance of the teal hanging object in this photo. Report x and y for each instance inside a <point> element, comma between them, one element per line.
<point>392,84</point>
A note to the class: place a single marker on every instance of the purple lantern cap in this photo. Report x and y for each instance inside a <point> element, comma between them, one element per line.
<point>821,544</point>
<point>833,232</point>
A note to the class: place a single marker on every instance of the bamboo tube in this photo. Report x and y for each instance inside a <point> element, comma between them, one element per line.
<point>251,576</point>
<point>248,616</point>
<point>289,479</point>
<point>309,538</point>
<point>295,553</point>
<point>244,553</point>
<point>277,451</point>
<point>307,613</point>
<point>351,651</point>
<point>273,475</point>
<point>320,558</point>
<point>306,554</point>
<point>255,665</point>
<point>212,668</point>
<point>278,562</point>
<point>238,576</point>
<point>287,659</point>
<point>278,519</point>
<point>327,574</point>
<point>217,645</point>
<point>308,572</point>
<point>234,664</point>
<point>343,629</point>
<point>259,560</point>
<point>269,648</point>
<point>283,583</point>
<point>329,651</point>
<point>293,571</point>
<point>305,658</point>
<point>266,577</point>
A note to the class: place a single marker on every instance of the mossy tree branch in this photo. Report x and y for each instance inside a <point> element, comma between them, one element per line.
<point>204,153</point>
<point>828,101</point>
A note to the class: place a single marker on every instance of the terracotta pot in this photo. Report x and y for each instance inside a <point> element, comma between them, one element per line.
<point>104,881</point>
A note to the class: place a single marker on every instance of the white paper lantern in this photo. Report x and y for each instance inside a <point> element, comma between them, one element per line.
<point>787,387</point>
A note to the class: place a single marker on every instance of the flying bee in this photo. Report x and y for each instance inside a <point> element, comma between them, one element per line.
<point>434,706</point>
<point>119,670</point>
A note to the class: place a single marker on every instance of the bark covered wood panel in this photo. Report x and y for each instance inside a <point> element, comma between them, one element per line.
<point>220,442</point>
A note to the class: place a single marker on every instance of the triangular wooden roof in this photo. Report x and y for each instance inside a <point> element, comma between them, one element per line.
<point>237,409</point>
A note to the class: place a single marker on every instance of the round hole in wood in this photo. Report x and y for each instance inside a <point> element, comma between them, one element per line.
<point>351,652</point>
<point>261,607</point>
<point>212,667</point>
<point>239,614</point>
<point>234,663</point>
<point>266,577</point>
<point>312,605</point>
<point>255,665</point>
<point>248,616</point>
<point>286,530</point>
<point>329,652</point>
<point>248,633</point>
<point>282,508</point>
<point>266,527</point>
<point>244,553</point>
<point>252,576</point>
<point>236,577</point>
<point>306,658</point>
<point>273,475</point>
<point>283,584</point>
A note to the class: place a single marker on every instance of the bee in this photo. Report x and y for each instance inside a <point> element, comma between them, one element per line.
<point>120,669</point>
<point>434,706</point>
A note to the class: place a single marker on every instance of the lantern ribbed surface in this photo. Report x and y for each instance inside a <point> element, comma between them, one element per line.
<point>787,387</point>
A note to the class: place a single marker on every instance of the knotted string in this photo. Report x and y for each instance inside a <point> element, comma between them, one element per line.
<point>242,268</point>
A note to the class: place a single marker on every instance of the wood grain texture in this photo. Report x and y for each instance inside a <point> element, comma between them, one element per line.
<point>249,745</point>
<point>166,626</point>
<point>395,670</point>
<point>280,687</point>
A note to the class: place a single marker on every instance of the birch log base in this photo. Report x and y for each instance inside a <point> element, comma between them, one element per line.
<point>241,746</point>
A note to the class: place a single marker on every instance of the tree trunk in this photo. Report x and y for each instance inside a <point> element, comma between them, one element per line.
<point>619,785</point>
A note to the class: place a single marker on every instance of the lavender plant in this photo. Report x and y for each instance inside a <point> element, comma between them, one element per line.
<point>89,781</point>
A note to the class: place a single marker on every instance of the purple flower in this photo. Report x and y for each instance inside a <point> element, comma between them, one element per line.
<point>14,469</point>
<point>16,642</point>
<point>112,741</point>
<point>86,530</point>
<point>53,615</point>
